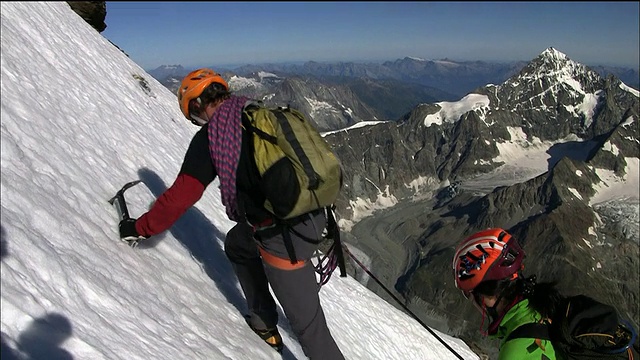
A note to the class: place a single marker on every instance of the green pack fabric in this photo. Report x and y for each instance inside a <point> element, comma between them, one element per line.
<point>584,329</point>
<point>299,172</point>
<point>522,348</point>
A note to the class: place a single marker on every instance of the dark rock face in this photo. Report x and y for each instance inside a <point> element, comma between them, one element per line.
<point>538,101</point>
<point>93,12</point>
<point>329,107</point>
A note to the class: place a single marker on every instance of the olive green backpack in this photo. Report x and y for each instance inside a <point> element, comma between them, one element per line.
<point>299,171</point>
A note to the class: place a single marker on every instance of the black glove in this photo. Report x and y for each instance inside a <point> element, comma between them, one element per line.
<point>128,232</point>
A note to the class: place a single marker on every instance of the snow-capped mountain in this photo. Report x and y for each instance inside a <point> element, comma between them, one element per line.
<point>329,107</point>
<point>169,73</point>
<point>551,101</point>
<point>339,94</point>
<point>452,77</point>
<point>329,103</point>
<point>537,154</point>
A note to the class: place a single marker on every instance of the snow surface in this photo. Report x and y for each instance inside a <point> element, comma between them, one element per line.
<point>613,187</point>
<point>354,126</point>
<point>451,111</point>
<point>635,92</point>
<point>79,120</point>
<point>264,74</point>
<point>239,82</point>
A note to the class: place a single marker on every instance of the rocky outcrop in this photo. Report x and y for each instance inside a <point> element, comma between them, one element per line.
<point>93,12</point>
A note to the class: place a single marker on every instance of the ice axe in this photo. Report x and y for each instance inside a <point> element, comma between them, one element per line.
<point>119,202</point>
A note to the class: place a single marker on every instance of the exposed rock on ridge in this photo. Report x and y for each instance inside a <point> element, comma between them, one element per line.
<point>93,12</point>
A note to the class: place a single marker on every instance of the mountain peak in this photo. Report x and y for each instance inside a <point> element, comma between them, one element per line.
<point>553,59</point>
<point>552,53</point>
<point>552,68</point>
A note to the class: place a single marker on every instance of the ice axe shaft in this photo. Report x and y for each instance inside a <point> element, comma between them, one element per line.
<point>119,202</point>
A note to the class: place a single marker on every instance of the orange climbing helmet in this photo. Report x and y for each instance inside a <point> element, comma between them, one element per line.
<point>491,254</point>
<point>193,84</point>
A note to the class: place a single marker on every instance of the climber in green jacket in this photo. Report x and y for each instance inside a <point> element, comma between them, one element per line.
<point>488,269</point>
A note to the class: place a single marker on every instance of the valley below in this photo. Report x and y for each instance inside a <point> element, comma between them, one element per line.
<point>408,248</point>
<point>389,243</point>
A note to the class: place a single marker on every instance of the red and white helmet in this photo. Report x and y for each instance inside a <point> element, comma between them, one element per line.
<point>490,254</point>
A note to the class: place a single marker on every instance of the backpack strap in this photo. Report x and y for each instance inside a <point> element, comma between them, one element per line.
<point>286,228</point>
<point>249,110</point>
<point>530,331</point>
<point>288,244</point>
<point>287,130</point>
<point>333,233</point>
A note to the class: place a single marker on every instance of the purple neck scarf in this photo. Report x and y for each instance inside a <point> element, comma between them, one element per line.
<point>225,142</point>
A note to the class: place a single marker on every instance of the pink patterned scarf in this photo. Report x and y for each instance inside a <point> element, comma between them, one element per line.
<point>225,143</point>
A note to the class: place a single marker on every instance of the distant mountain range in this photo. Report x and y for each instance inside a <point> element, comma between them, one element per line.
<point>337,95</point>
<point>454,77</point>
<point>331,102</point>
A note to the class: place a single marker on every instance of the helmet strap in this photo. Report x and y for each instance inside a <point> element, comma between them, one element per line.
<point>493,327</point>
<point>484,315</point>
<point>198,121</point>
<point>493,310</point>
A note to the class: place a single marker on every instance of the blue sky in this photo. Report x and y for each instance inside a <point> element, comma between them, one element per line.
<point>234,33</point>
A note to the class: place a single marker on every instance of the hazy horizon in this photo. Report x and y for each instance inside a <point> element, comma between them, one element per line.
<point>222,33</point>
<point>284,62</point>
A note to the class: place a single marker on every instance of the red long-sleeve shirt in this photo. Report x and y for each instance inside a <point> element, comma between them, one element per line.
<point>172,204</point>
<point>196,173</point>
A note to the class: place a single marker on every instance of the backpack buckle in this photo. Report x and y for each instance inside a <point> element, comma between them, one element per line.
<point>263,225</point>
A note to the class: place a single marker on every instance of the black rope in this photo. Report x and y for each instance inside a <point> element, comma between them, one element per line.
<point>326,265</point>
<point>401,304</point>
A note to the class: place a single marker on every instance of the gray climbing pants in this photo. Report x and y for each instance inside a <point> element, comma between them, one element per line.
<point>296,289</point>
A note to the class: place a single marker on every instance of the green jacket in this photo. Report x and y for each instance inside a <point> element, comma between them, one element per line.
<point>522,349</point>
